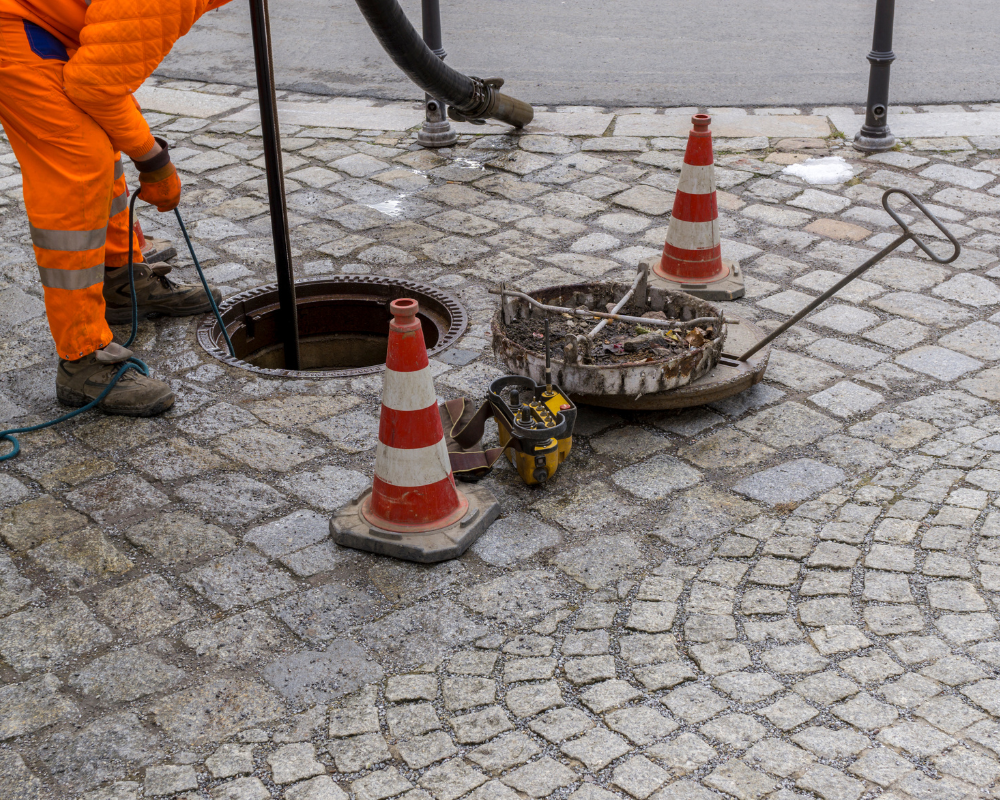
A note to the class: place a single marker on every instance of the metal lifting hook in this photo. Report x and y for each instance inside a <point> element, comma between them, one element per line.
<point>871,262</point>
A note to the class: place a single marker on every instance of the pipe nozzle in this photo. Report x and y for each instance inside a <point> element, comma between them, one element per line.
<point>489,103</point>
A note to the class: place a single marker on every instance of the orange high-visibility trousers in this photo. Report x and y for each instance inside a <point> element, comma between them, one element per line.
<point>74,188</point>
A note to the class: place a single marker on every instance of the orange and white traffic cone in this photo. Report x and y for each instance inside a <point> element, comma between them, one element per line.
<point>692,256</point>
<point>414,510</point>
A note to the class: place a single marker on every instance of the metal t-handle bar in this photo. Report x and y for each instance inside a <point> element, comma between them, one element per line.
<point>907,235</point>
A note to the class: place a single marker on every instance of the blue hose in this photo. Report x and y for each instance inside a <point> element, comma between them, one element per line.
<point>131,363</point>
<point>208,292</point>
<point>131,270</point>
<point>8,435</point>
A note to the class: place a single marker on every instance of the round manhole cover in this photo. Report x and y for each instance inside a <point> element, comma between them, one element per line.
<point>343,325</point>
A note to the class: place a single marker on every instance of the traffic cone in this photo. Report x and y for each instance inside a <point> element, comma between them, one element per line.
<point>692,256</point>
<point>414,510</point>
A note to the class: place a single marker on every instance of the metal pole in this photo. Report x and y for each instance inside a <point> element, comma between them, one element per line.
<point>431,13</point>
<point>875,136</point>
<point>289,316</point>
<point>437,130</point>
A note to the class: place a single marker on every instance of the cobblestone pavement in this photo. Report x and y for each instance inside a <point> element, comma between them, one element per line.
<point>788,594</point>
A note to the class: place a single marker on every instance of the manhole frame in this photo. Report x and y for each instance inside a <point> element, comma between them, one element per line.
<point>209,335</point>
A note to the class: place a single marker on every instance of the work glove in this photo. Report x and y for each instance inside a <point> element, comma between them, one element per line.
<point>159,184</point>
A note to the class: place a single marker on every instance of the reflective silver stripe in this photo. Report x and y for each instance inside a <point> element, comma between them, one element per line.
<point>71,278</point>
<point>119,169</point>
<point>69,241</point>
<point>119,204</point>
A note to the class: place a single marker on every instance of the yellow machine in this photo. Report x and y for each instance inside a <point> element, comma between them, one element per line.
<point>535,425</point>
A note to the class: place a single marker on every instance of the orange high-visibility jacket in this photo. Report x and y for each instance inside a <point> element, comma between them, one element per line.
<point>114,46</point>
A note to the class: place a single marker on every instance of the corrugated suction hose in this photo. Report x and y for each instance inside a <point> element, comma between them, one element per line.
<point>469,99</point>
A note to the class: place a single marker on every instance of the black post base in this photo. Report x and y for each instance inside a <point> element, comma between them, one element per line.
<point>436,131</point>
<point>868,140</point>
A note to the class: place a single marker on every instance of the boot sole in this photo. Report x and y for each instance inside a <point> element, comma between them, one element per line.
<point>122,316</point>
<point>76,400</point>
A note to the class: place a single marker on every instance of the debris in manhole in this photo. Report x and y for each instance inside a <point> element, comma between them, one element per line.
<point>619,342</point>
<point>584,358</point>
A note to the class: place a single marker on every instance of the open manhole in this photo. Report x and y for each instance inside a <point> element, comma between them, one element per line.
<point>343,325</point>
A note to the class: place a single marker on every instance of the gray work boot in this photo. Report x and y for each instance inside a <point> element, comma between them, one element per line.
<point>155,294</point>
<point>135,395</point>
<point>158,250</point>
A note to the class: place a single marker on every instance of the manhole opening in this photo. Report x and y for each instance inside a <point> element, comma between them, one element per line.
<point>343,325</point>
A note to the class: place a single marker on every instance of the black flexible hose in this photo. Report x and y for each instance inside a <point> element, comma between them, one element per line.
<point>473,98</point>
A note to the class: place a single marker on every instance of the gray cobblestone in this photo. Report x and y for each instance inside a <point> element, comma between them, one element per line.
<point>823,569</point>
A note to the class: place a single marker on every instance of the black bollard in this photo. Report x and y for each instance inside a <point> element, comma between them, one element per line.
<point>875,136</point>
<point>436,130</point>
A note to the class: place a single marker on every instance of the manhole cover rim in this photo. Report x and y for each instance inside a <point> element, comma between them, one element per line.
<point>210,339</point>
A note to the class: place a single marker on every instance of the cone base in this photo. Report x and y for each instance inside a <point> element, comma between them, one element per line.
<point>349,528</point>
<point>428,527</point>
<point>727,287</point>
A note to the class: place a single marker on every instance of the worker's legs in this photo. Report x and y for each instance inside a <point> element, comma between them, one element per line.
<point>68,170</point>
<point>67,165</point>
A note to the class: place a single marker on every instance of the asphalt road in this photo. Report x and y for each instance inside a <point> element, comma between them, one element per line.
<point>625,52</point>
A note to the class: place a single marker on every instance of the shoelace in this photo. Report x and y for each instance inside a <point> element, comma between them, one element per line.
<point>127,376</point>
<point>166,282</point>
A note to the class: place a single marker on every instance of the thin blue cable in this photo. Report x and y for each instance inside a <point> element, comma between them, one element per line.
<point>131,270</point>
<point>8,435</point>
<point>131,363</point>
<point>208,292</point>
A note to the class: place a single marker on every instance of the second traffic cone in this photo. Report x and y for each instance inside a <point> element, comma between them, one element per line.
<point>692,256</point>
<point>413,489</point>
<point>414,510</point>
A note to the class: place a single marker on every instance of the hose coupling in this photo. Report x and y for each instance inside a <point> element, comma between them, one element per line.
<point>478,106</point>
<point>487,102</point>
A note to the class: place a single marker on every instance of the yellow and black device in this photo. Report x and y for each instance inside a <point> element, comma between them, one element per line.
<point>535,425</point>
